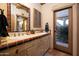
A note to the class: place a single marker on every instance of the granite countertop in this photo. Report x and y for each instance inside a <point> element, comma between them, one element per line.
<point>11,41</point>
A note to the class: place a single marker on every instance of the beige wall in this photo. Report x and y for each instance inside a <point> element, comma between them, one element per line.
<point>13,17</point>
<point>47,16</point>
<point>32,6</point>
<point>4,7</point>
<point>75,29</point>
<point>29,5</point>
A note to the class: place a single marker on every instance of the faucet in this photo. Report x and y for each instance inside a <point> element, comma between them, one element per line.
<point>14,34</point>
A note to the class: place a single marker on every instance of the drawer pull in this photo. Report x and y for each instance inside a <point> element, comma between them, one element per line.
<point>17,51</point>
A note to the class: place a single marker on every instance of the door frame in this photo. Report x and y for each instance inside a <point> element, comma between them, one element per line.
<point>71,24</point>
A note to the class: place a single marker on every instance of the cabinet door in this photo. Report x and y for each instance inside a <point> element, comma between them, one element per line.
<point>9,51</point>
<point>32,51</point>
<point>48,41</point>
<point>39,47</point>
<point>44,45</point>
<point>21,50</point>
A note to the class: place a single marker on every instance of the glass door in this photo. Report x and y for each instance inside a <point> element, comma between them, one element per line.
<point>62,30</point>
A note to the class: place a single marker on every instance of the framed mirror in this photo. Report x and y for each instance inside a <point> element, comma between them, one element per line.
<point>20,18</point>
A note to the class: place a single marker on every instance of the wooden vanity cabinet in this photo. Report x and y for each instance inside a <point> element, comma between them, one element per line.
<point>41,46</point>
<point>36,47</point>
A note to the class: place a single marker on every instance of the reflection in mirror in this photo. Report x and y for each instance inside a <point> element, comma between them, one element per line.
<point>21,23</point>
<point>62,22</point>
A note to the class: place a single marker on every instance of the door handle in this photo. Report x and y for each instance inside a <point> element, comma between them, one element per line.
<point>55,30</point>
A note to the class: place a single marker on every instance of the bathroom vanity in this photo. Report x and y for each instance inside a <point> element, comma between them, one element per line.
<point>25,45</point>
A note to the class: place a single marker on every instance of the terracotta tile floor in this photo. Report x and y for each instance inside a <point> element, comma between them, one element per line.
<point>52,52</point>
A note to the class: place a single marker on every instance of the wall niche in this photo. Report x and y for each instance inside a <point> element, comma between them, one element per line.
<point>37,19</point>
